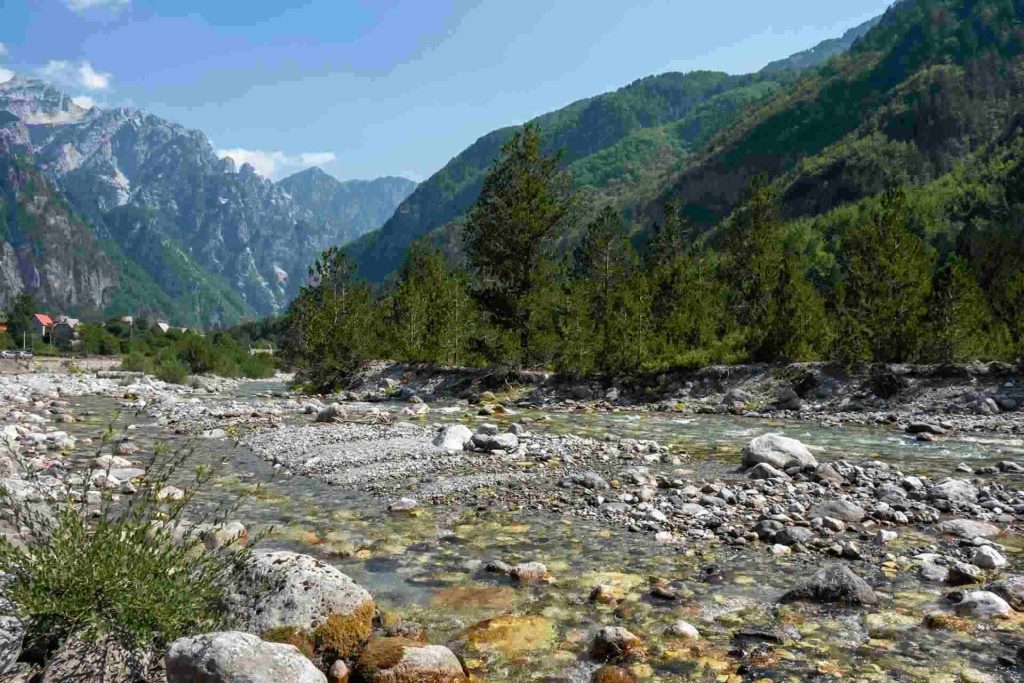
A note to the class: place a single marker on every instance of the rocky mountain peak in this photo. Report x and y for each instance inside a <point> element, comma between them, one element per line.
<point>36,102</point>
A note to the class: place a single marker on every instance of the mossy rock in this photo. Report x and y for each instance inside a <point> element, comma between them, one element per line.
<point>342,636</point>
<point>613,674</point>
<point>401,660</point>
<point>290,635</point>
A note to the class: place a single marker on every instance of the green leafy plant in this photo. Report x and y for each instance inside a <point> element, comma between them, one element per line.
<point>133,572</point>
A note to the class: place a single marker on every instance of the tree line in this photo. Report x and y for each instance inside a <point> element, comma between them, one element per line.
<point>539,291</point>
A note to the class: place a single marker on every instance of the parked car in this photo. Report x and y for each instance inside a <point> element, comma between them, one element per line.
<point>7,354</point>
<point>25,355</point>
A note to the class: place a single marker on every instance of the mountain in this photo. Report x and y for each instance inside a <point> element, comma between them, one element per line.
<point>823,51</point>
<point>615,144</point>
<point>348,209</point>
<point>218,242</point>
<point>931,82</point>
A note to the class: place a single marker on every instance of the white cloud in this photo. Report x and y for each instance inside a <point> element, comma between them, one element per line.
<point>69,74</point>
<point>84,5</point>
<point>3,50</point>
<point>6,75</point>
<point>316,158</point>
<point>276,164</point>
<point>84,101</point>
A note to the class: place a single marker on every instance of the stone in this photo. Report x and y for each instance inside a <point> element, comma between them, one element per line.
<point>968,529</point>
<point>982,604</point>
<point>765,471</point>
<point>338,672</point>
<point>885,536</point>
<point>1010,589</point>
<point>609,673</point>
<point>334,412</point>
<point>453,437</point>
<point>12,634</point>
<point>401,660</point>
<point>236,657</point>
<point>496,442</point>
<point>929,571</point>
<point>954,491</point>
<point>590,480</point>
<point>530,572</point>
<point>79,660</point>
<point>834,584</point>
<point>988,557</point>
<point>607,594</point>
<point>925,428</point>
<point>403,505</point>
<point>683,629</point>
<point>617,645</point>
<point>281,588</point>
<point>963,574</point>
<point>839,508</point>
<point>170,493</point>
<point>794,535</point>
<point>780,452</point>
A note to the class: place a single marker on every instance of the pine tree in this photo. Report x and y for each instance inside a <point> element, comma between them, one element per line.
<point>962,325</point>
<point>525,200</point>
<point>885,289</point>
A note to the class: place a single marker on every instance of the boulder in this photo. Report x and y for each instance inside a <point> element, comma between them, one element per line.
<point>982,604</point>
<point>794,535</point>
<point>834,584</point>
<point>235,657</point>
<point>954,491</point>
<point>401,660</point>
<point>988,557</point>
<point>1010,589</point>
<point>780,452</point>
<point>280,588</point>
<point>683,629</point>
<point>453,437</point>
<point>496,442</point>
<point>617,645</point>
<point>80,660</point>
<point>840,509</point>
<point>765,471</point>
<point>968,529</point>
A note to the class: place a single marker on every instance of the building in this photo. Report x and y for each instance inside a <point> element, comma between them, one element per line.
<point>64,332</point>
<point>163,327</point>
<point>41,324</point>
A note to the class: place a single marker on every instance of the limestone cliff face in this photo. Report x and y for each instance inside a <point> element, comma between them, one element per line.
<point>44,248</point>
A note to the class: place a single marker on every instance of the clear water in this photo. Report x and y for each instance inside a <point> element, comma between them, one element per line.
<point>427,567</point>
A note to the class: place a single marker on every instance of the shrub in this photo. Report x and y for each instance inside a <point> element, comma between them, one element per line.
<point>133,573</point>
<point>171,370</point>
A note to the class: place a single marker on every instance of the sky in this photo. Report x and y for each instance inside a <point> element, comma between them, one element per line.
<point>366,88</point>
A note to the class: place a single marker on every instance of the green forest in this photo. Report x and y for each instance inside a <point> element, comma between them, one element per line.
<point>871,281</point>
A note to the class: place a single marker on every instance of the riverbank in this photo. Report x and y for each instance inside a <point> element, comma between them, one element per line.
<point>638,519</point>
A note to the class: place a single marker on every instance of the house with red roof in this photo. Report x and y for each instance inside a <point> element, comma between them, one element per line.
<point>41,324</point>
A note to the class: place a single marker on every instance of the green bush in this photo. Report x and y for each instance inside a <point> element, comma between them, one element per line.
<point>171,370</point>
<point>132,573</point>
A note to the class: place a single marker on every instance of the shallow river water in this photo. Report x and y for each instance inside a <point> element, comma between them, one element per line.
<point>428,567</point>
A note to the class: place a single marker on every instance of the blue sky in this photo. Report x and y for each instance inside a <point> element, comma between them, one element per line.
<point>386,87</point>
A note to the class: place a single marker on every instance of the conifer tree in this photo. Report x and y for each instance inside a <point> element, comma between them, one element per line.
<point>963,326</point>
<point>525,200</point>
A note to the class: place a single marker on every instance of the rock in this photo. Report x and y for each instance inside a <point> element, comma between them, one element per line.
<point>765,471</point>
<point>125,448</point>
<point>963,574</point>
<point>981,604</point>
<point>223,534</point>
<point>334,412</point>
<point>925,428</point>
<point>834,584</point>
<point>929,571</point>
<point>496,442</point>
<point>530,572</point>
<point>400,660</point>
<point>1010,589</point>
<point>280,588</point>
<point>841,509</point>
<point>170,493</point>
<point>80,660</point>
<point>955,491</point>
<point>590,480</point>
<point>12,634</point>
<point>609,673</point>
<point>453,437</point>
<point>617,645</point>
<point>794,535</point>
<point>683,629</point>
<point>988,557</point>
<point>403,505</point>
<point>235,657</point>
<point>606,594</point>
<point>968,529</point>
<point>885,536</point>
<point>338,672</point>
<point>778,451</point>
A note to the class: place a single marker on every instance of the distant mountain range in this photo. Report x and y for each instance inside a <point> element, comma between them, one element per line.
<point>183,234</point>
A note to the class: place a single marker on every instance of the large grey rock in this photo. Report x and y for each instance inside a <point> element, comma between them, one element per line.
<point>968,529</point>
<point>781,452</point>
<point>955,491</point>
<point>281,588</point>
<point>839,508</point>
<point>1010,589</point>
<point>235,657</point>
<point>400,660</point>
<point>453,437</point>
<point>982,604</point>
<point>81,661</point>
<point>834,584</point>
<point>496,442</point>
